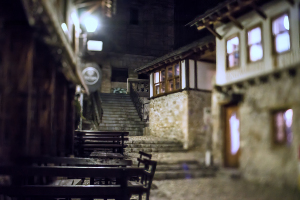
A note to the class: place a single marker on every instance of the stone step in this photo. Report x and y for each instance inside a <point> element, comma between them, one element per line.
<point>127,125</point>
<point>184,174</point>
<point>149,150</point>
<point>119,115</point>
<point>112,128</point>
<point>120,118</point>
<point>117,102</point>
<point>182,166</point>
<point>122,121</point>
<point>107,97</point>
<point>130,145</point>
<point>156,141</point>
<point>120,105</point>
<point>119,111</point>
<point>119,108</point>
<point>135,133</point>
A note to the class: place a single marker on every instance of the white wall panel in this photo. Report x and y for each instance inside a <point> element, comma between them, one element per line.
<point>151,85</point>
<point>192,73</point>
<point>205,73</point>
<point>183,75</point>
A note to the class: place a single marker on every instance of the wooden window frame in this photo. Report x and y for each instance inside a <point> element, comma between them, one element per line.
<point>167,79</point>
<point>227,63</point>
<point>274,36</point>
<point>160,83</point>
<point>249,46</point>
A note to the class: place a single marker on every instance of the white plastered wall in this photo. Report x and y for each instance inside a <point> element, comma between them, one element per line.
<point>270,61</point>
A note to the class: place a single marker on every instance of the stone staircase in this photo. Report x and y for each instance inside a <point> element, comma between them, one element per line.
<point>183,170</point>
<point>119,114</point>
<point>173,161</point>
<point>150,144</point>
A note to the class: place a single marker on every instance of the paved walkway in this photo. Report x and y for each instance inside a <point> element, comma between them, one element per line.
<point>218,188</point>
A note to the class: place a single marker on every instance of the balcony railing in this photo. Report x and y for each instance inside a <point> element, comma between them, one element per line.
<point>139,90</point>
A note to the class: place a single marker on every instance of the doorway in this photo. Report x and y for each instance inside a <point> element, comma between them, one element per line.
<point>232,136</point>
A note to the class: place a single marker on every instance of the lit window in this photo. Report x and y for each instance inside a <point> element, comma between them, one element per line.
<point>233,54</point>
<point>167,79</point>
<point>173,77</point>
<point>94,45</point>
<point>255,49</point>
<point>159,82</point>
<point>281,34</point>
<point>283,126</point>
<point>234,133</point>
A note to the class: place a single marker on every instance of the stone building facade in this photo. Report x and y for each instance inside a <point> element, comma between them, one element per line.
<point>180,90</point>
<point>139,32</point>
<point>255,101</point>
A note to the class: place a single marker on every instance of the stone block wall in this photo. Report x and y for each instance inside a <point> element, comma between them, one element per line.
<point>197,101</point>
<point>168,117</point>
<point>180,116</point>
<point>114,60</point>
<point>260,159</point>
<point>153,35</point>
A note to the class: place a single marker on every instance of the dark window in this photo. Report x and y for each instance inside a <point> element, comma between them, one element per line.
<point>134,16</point>
<point>143,76</point>
<point>119,75</point>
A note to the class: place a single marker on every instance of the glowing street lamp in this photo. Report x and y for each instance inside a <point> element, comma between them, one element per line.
<point>91,23</point>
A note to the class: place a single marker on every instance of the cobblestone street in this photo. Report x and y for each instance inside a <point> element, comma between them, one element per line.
<point>218,188</point>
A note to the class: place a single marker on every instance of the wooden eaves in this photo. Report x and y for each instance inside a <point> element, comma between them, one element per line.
<point>42,16</point>
<point>198,48</point>
<point>228,11</point>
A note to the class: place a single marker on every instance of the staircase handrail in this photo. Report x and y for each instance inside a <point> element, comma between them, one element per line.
<point>136,97</point>
<point>97,104</point>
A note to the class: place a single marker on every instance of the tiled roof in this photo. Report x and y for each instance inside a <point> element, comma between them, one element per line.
<point>177,54</point>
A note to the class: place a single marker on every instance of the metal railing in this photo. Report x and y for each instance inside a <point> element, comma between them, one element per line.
<point>97,107</point>
<point>139,93</point>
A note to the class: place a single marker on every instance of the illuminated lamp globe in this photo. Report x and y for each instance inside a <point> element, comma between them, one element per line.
<point>91,24</point>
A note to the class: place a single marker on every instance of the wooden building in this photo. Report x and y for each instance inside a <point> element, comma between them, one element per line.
<point>255,101</point>
<point>39,70</point>
<point>180,92</point>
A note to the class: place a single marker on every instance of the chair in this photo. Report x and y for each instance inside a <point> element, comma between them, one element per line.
<point>146,179</point>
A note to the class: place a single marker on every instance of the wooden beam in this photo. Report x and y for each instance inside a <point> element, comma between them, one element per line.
<point>236,22</point>
<point>95,7</point>
<point>212,30</point>
<point>259,11</point>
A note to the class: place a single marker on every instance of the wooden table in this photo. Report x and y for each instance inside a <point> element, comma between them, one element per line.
<point>87,162</point>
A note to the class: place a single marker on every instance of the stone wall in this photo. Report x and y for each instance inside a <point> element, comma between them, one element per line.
<point>180,116</point>
<point>168,117</point>
<point>197,101</point>
<point>114,60</point>
<point>153,35</point>
<point>262,160</point>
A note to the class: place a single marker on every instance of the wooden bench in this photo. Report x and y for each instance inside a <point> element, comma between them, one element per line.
<point>122,190</point>
<point>107,141</point>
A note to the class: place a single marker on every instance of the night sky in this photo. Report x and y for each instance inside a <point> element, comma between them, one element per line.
<point>186,11</point>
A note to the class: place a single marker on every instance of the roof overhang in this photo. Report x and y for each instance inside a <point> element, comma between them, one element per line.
<point>41,16</point>
<point>229,11</point>
<point>200,48</point>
